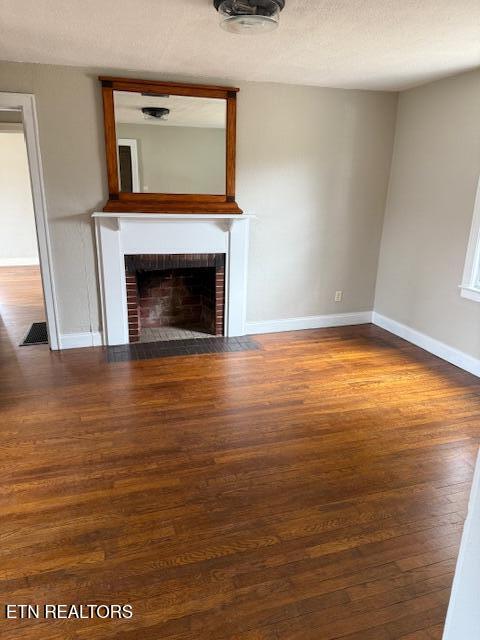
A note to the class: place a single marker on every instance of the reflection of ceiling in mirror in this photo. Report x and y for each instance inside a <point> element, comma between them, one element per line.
<point>185,111</point>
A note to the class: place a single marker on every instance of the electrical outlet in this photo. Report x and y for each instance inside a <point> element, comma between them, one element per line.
<point>338,296</point>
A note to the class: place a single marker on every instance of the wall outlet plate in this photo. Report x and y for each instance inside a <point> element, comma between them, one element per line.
<point>338,296</point>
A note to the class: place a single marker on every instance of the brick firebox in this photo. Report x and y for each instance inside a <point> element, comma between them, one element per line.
<point>181,290</point>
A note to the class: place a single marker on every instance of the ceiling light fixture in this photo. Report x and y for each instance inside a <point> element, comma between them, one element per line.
<point>249,16</point>
<point>155,113</point>
<point>155,95</point>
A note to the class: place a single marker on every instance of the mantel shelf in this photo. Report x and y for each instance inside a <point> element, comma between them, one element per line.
<point>173,216</point>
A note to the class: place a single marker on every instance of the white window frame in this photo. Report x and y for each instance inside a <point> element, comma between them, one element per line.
<point>132,143</point>
<point>470,287</point>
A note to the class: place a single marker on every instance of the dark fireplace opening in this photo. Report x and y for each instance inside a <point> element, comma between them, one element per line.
<point>175,296</point>
<point>183,298</point>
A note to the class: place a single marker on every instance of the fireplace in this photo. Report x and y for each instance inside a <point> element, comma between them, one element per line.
<point>171,296</point>
<point>162,237</point>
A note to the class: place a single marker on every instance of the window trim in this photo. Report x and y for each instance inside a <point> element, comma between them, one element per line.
<point>470,287</point>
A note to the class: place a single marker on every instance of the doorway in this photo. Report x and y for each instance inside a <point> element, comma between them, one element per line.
<point>128,169</point>
<point>27,303</point>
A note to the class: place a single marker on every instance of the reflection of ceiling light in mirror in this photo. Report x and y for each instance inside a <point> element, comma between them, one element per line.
<point>156,95</point>
<point>249,16</point>
<point>155,113</point>
<point>185,111</point>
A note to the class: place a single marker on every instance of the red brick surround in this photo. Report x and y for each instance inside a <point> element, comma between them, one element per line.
<point>184,290</point>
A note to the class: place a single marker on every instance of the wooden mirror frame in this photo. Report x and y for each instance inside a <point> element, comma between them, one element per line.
<point>119,201</point>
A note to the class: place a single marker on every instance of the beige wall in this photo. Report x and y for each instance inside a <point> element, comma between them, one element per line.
<point>435,170</point>
<point>178,159</point>
<point>313,165</point>
<point>18,239</point>
<point>71,139</point>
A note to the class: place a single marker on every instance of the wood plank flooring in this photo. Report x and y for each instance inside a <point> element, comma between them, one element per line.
<point>21,303</point>
<point>314,489</point>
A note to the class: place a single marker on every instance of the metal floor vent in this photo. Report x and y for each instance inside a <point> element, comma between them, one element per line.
<point>36,335</point>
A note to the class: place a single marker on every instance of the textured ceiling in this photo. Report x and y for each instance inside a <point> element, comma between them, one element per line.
<point>184,111</point>
<point>368,44</point>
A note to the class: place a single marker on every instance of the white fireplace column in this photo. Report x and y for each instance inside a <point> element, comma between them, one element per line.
<point>121,234</point>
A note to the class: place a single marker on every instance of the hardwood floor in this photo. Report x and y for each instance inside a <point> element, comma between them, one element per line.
<point>21,303</point>
<point>315,489</point>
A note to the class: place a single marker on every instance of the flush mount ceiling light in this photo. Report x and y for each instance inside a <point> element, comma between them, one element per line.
<point>155,95</point>
<point>249,16</point>
<point>155,113</point>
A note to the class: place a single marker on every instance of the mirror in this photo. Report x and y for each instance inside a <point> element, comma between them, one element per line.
<point>170,144</point>
<point>170,147</point>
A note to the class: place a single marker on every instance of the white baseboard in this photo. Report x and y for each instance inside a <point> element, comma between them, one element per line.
<point>79,340</point>
<point>309,322</point>
<point>463,617</point>
<point>19,262</point>
<point>440,349</point>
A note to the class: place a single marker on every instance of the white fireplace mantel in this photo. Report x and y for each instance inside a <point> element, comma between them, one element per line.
<point>172,216</point>
<point>121,234</point>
